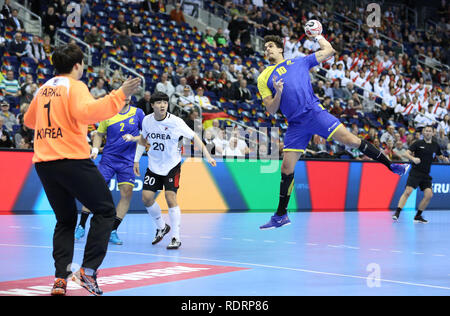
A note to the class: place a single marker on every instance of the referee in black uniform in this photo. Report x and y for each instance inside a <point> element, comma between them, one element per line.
<point>421,153</point>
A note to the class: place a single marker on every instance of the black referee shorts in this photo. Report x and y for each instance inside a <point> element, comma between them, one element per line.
<point>418,180</point>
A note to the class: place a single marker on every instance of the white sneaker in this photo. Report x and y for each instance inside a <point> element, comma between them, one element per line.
<point>174,244</point>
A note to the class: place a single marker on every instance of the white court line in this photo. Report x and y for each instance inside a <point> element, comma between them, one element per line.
<point>252,265</point>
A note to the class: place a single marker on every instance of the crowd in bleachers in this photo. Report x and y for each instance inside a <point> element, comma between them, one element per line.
<point>374,85</point>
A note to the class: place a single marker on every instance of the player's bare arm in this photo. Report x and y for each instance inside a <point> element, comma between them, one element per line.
<point>272,103</point>
<point>326,50</point>
<point>198,142</point>
<point>410,156</point>
<point>96,144</point>
<point>141,144</point>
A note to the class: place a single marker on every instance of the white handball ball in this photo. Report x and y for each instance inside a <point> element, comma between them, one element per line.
<point>313,28</point>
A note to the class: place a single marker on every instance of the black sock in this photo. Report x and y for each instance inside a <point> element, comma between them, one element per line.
<point>286,186</point>
<point>83,219</point>
<point>372,152</point>
<point>398,210</point>
<point>419,213</point>
<point>117,222</point>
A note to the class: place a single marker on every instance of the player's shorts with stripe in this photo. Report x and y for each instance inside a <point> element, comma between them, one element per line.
<point>155,182</point>
<point>123,170</point>
<point>316,121</point>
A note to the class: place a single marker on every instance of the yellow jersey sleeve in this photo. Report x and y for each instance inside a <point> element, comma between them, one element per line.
<point>262,83</point>
<point>102,127</point>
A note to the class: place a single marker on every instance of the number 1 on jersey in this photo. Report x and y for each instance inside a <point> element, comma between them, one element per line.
<point>47,106</point>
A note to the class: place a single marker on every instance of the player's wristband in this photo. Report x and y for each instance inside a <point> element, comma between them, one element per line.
<point>94,151</point>
<point>318,37</point>
<point>139,152</point>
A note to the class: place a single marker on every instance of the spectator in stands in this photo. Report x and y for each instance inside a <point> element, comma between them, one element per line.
<point>221,82</point>
<point>5,139</point>
<point>187,99</point>
<point>210,81</point>
<point>116,81</point>
<point>47,45</point>
<point>84,9</point>
<point>229,92</point>
<point>444,125</point>
<point>124,42</point>
<point>17,47</point>
<point>29,93</point>
<point>337,110</point>
<point>25,87</point>
<point>50,22</point>
<point>14,22</point>
<point>99,90</point>
<point>9,119</point>
<point>188,70</point>
<point>151,5</point>
<point>6,9</point>
<point>35,50</point>
<point>192,120</point>
<point>194,80</point>
<point>338,93</point>
<point>350,111</point>
<point>177,14</point>
<point>319,90</point>
<point>442,140</point>
<point>120,25</point>
<point>203,100</point>
<point>10,86</point>
<point>214,129</point>
<point>165,85</point>
<point>134,29</point>
<point>388,135</point>
<point>94,38</point>
<point>237,47</point>
<point>208,140</point>
<point>244,94</point>
<point>183,84</point>
<point>220,39</point>
<point>25,143</point>
<point>144,103</point>
<point>232,149</point>
<point>209,38</point>
<point>399,151</point>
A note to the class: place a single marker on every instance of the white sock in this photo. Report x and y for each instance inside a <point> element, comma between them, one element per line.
<point>155,213</point>
<point>175,219</point>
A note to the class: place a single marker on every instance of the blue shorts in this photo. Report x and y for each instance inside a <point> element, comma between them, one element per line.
<point>316,121</point>
<point>123,171</point>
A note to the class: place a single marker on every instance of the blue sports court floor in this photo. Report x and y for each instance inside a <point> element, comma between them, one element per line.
<point>345,253</point>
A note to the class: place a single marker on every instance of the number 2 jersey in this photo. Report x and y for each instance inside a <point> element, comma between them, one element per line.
<point>163,137</point>
<point>116,148</point>
<point>60,114</point>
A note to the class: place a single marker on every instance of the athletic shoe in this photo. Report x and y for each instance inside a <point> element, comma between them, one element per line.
<point>114,238</point>
<point>160,233</point>
<point>396,216</point>
<point>276,222</point>
<point>420,219</point>
<point>87,281</point>
<point>59,287</point>
<point>174,244</point>
<point>400,168</point>
<point>79,233</point>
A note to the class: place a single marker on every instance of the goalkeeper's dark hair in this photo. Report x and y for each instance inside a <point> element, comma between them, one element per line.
<point>275,39</point>
<point>159,96</point>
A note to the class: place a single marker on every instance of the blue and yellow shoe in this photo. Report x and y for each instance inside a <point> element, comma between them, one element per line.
<point>276,222</point>
<point>400,168</point>
<point>114,238</point>
<point>79,233</point>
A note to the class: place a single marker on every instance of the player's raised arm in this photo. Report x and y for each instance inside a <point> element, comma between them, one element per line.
<point>313,29</point>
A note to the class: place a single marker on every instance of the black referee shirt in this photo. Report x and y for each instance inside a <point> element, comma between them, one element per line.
<point>426,152</point>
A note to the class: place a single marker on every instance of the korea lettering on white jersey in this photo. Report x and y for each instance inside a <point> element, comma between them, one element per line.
<point>163,137</point>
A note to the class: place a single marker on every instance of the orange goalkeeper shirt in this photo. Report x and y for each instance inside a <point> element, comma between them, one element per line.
<point>60,114</point>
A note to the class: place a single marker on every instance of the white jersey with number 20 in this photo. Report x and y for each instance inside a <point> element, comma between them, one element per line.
<point>163,137</point>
